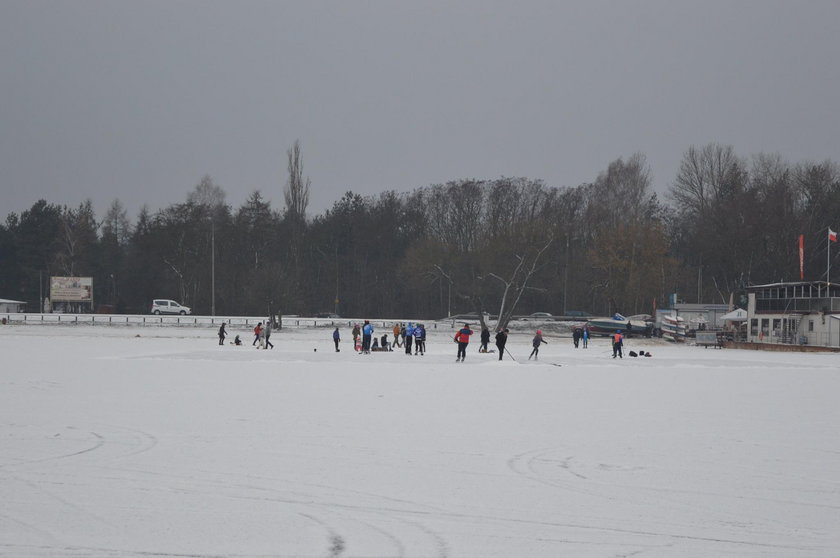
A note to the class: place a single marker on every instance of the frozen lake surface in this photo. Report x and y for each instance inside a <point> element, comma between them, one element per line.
<point>131,441</point>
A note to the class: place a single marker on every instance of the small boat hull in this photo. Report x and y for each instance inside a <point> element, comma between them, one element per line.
<point>608,326</point>
<point>673,329</point>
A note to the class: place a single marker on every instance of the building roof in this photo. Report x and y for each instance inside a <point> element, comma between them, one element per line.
<point>737,315</point>
<point>7,301</point>
<point>791,284</point>
<point>691,306</point>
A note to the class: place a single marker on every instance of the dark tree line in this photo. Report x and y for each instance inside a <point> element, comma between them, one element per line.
<point>505,245</point>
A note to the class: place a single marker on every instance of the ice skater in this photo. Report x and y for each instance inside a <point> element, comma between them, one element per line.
<point>419,339</point>
<point>538,340</point>
<point>618,342</point>
<point>367,335</point>
<point>396,331</point>
<point>409,337</point>
<point>261,338</point>
<point>463,339</point>
<point>267,335</point>
<point>501,341</point>
<point>485,339</point>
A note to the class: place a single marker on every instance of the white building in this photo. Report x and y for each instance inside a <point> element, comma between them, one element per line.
<point>802,313</point>
<point>10,306</point>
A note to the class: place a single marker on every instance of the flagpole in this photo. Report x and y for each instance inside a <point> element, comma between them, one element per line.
<point>828,257</point>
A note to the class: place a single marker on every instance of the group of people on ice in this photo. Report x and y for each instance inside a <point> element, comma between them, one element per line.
<point>462,337</point>
<point>408,335</point>
<point>581,334</point>
<point>262,336</point>
<point>405,335</point>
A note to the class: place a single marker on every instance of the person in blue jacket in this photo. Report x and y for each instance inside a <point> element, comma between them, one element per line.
<point>336,339</point>
<point>409,336</point>
<point>419,340</point>
<point>367,334</point>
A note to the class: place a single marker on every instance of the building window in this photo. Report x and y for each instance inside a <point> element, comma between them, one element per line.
<point>810,325</point>
<point>754,327</point>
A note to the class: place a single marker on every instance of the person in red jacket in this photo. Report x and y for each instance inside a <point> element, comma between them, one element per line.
<point>463,339</point>
<point>618,342</point>
<point>257,332</point>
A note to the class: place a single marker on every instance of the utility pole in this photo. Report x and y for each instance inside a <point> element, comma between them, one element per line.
<point>213,267</point>
<point>336,280</point>
<point>566,275</point>
<point>699,281</point>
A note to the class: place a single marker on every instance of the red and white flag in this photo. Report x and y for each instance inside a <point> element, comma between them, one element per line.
<point>832,236</point>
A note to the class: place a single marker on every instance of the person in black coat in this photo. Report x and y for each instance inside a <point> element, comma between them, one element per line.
<point>485,339</point>
<point>222,334</point>
<point>501,340</point>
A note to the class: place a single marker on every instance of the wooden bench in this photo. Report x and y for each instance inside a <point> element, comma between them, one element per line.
<point>708,339</point>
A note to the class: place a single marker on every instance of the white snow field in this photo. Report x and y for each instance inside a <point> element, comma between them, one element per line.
<point>133,441</point>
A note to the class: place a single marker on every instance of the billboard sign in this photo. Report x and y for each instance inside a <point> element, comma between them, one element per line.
<point>71,289</point>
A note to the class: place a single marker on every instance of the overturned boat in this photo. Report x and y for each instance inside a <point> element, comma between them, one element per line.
<point>639,324</point>
<point>673,328</point>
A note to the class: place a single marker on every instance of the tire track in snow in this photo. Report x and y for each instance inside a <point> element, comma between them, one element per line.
<point>319,500</point>
<point>336,541</point>
<point>523,465</point>
<point>30,527</point>
<point>100,441</point>
<point>146,442</point>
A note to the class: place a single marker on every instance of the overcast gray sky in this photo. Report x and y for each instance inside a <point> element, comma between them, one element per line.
<point>138,100</point>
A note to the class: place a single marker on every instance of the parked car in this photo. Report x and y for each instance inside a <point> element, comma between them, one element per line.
<point>544,316</point>
<point>165,306</point>
<point>469,316</point>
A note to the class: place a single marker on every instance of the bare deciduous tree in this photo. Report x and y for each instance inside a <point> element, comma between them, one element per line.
<point>296,193</point>
<point>516,283</point>
<point>207,194</point>
<point>706,176</point>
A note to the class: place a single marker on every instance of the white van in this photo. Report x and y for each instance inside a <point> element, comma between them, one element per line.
<point>164,306</point>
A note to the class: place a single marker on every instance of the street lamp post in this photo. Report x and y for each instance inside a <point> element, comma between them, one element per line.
<point>213,268</point>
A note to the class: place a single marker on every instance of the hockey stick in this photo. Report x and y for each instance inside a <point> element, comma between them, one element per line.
<point>510,355</point>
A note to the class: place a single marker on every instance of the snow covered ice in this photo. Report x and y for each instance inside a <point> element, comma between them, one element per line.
<point>145,441</point>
